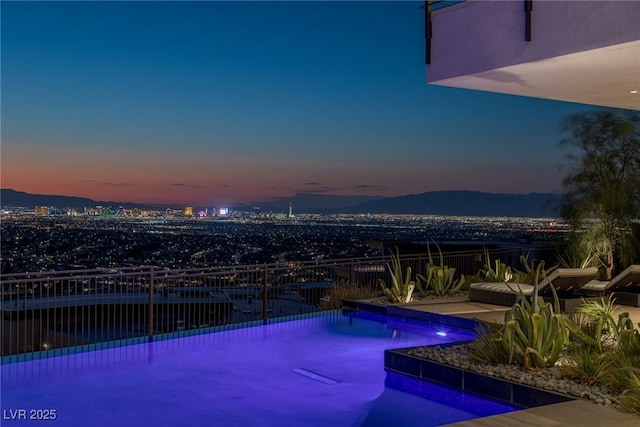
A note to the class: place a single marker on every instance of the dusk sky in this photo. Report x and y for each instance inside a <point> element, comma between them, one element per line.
<point>212,103</point>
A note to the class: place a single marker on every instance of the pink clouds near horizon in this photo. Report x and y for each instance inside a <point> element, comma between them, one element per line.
<point>208,111</point>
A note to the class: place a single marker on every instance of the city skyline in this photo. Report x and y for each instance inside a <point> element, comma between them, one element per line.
<point>214,103</point>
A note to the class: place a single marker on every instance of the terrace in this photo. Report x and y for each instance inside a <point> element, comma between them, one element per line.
<point>50,311</point>
<point>48,314</point>
<point>45,315</point>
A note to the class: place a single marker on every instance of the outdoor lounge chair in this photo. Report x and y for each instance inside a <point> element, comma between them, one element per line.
<point>625,287</point>
<point>567,282</point>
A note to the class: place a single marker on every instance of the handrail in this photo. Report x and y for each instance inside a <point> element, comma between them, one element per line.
<point>52,310</point>
<point>137,270</point>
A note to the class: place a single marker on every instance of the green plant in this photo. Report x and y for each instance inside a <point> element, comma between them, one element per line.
<point>601,310</point>
<point>624,360</point>
<point>575,255</point>
<point>534,332</point>
<point>402,285</point>
<point>602,187</point>
<point>468,280</point>
<point>350,291</point>
<point>584,363</point>
<point>496,271</point>
<point>629,344</point>
<point>440,278</point>
<point>600,322</point>
<point>585,331</point>
<point>487,347</point>
<point>630,399</point>
<point>531,272</point>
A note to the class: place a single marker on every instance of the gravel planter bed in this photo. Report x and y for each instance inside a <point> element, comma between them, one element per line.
<point>547,379</point>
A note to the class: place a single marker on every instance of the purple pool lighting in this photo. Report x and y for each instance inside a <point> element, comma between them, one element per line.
<point>325,370</point>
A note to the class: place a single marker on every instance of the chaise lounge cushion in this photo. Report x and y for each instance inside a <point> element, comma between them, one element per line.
<point>596,286</point>
<point>627,281</point>
<point>498,293</point>
<point>568,280</point>
<point>624,288</point>
<point>565,281</point>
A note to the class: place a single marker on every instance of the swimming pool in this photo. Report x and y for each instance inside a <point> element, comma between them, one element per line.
<point>326,369</point>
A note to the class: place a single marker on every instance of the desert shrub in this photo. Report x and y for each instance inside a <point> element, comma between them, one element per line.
<point>624,359</point>
<point>468,280</point>
<point>584,363</point>
<point>630,398</point>
<point>573,253</point>
<point>532,272</point>
<point>440,279</point>
<point>402,284</point>
<point>494,271</point>
<point>487,347</point>
<point>584,323</point>
<point>601,311</point>
<point>335,296</point>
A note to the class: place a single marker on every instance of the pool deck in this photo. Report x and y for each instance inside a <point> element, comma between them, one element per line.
<point>461,307</point>
<point>574,413</point>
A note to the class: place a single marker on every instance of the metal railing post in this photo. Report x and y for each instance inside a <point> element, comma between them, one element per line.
<point>352,273</point>
<point>151,290</point>
<point>72,301</point>
<point>264,293</point>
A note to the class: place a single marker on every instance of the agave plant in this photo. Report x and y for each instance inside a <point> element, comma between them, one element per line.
<point>532,272</point>
<point>440,278</point>
<point>534,332</point>
<point>402,285</point>
<point>496,271</point>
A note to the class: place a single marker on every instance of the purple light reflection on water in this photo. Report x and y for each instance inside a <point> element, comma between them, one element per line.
<point>319,371</point>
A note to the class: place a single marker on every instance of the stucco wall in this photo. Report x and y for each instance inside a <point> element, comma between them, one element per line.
<point>476,36</point>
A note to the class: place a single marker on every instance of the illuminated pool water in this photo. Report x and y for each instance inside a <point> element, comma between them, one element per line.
<point>325,370</point>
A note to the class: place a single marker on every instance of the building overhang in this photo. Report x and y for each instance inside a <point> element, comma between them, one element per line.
<point>608,76</point>
<point>577,51</point>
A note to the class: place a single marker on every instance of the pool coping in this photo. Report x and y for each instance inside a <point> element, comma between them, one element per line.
<point>502,390</point>
<point>406,312</point>
<point>523,396</point>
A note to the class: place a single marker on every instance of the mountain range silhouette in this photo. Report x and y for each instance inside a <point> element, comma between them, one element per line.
<point>455,203</point>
